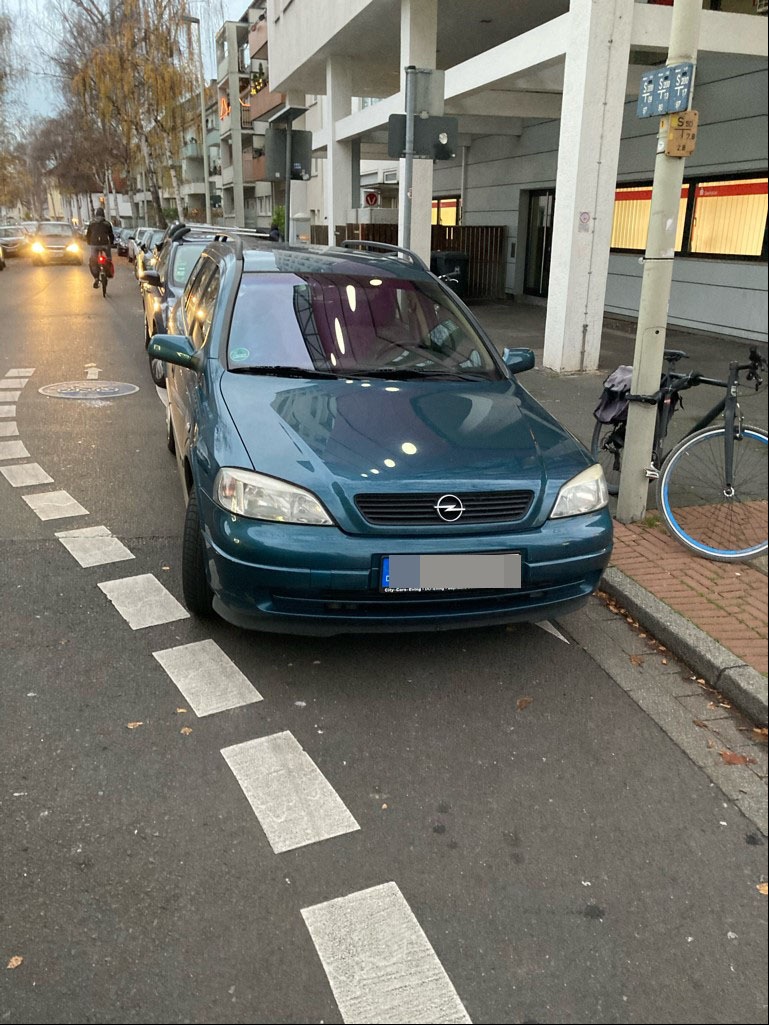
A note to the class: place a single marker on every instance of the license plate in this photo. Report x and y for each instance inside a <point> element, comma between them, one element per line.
<point>466,572</point>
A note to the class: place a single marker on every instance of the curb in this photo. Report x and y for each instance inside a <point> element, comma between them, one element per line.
<point>721,668</point>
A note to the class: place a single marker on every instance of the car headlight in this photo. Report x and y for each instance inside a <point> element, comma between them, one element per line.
<point>266,498</point>
<point>73,247</point>
<point>38,247</point>
<point>587,492</point>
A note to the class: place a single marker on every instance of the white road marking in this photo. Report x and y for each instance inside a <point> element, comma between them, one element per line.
<point>545,624</point>
<point>8,411</point>
<point>92,373</point>
<point>25,474</point>
<point>21,372</point>
<point>54,505</point>
<point>143,601</point>
<point>9,429</point>
<point>208,679</point>
<point>293,800</point>
<point>10,396</point>
<point>93,546</point>
<point>379,962</point>
<point>12,383</point>
<point>13,450</point>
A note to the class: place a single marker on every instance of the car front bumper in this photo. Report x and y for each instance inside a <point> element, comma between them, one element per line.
<point>288,578</point>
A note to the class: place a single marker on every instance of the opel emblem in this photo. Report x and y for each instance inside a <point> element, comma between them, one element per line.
<point>449,508</point>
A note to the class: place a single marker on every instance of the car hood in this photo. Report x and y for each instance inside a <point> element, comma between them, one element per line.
<point>399,434</point>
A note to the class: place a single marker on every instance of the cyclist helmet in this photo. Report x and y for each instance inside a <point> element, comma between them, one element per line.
<point>99,212</point>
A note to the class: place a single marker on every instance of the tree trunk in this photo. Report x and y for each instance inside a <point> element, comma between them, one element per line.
<point>174,179</point>
<point>160,219</point>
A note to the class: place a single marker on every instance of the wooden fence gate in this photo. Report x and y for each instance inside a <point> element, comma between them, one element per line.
<point>484,244</point>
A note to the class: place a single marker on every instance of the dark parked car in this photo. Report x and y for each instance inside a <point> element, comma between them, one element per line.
<point>146,255</point>
<point>163,284</point>
<point>358,457</point>
<point>122,238</point>
<point>56,242</point>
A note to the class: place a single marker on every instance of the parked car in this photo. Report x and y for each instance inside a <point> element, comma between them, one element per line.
<point>163,284</point>
<point>2,258</point>
<point>146,254</point>
<point>122,239</point>
<point>14,240</point>
<point>134,243</point>
<point>55,242</point>
<point>356,455</point>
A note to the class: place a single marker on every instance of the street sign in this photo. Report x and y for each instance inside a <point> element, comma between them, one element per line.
<point>435,138</point>
<point>665,91</point>
<point>681,133</point>
<point>371,198</point>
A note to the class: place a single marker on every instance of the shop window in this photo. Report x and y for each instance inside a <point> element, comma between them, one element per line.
<point>446,210</point>
<point>632,207</point>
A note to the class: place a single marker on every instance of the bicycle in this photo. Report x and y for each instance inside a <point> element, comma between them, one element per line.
<point>103,261</point>
<point>711,486</point>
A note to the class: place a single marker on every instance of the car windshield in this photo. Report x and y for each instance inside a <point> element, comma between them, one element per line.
<point>184,260</point>
<point>10,232</point>
<point>353,325</point>
<point>55,229</point>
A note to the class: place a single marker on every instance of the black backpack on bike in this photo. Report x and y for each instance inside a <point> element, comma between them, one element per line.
<point>612,406</point>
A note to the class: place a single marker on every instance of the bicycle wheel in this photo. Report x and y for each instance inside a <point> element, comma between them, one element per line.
<point>103,277</point>
<point>692,497</point>
<point>606,448</point>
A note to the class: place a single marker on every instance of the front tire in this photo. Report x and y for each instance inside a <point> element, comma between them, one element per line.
<point>198,596</point>
<point>692,498</point>
<point>606,447</point>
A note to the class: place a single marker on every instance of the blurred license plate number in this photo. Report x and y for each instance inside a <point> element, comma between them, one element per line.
<point>470,572</point>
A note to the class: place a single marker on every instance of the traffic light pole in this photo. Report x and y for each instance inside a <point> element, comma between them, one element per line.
<point>408,154</point>
<point>655,289</point>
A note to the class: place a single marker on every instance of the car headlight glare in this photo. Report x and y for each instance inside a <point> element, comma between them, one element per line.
<point>266,498</point>
<point>585,493</point>
<point>73,247</point>
<point>38,247</point>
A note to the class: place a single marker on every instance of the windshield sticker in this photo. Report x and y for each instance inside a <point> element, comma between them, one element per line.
<point>238,355</point>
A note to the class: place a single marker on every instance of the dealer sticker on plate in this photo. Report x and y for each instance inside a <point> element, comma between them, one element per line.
<point>451,572</point>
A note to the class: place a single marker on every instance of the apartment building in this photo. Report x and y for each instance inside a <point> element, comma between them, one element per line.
<point>551,150</point>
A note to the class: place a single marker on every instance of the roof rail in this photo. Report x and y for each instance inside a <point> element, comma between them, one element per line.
<point>238,234</point>
<point>385,248</point>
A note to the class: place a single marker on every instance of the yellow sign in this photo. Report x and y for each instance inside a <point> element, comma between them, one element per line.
<point>681,133</point>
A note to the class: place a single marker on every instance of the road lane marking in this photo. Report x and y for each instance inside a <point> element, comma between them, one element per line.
<point>293,800</point>
<point>14,383</point>
<point>9,429</point>
<point>54,505</point>
<point>10,396</point>
<point>13,450</point>
<point>143,601</point>
<point>25,474</point>
<point>379,962</point>
<point>8,411</point>
<point>93,546</point>
<point>208,679</point>
<point>545,624</point>
<point>20,372</point>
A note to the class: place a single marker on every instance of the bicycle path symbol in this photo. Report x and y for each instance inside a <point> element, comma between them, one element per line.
<point>89,390</point>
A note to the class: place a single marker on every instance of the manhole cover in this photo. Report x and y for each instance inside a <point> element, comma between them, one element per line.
<point>89,390</point>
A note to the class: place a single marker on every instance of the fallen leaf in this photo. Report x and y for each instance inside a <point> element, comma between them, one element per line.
<point>762,888</point>
<point>664,661</point>
<point>522,703</point>
<point>16,959</point>
<point>702,725</point>
<point>181,711</point>
<point>133,725</point>
<point>637,660</point>
<point>711,745</point>
<point>761,731</point>
<point>186,730</point>
<point>732,758</point>
<point>384,807</point>
<point>165,567</point>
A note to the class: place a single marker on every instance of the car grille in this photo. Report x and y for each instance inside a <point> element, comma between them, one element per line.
<point>391,509</point>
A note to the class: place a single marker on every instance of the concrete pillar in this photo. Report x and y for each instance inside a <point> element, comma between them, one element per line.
<point>419,35</point>
<point>338,181</point>
<point>588,153</point>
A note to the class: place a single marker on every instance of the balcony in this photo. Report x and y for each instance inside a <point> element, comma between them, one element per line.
<point>264,102</point>
<point>225,125</point>
<point>193,189</point>
<point>228,175</point>
<point>254,169</point>
<point>191,151</point>
<point>257,39</point>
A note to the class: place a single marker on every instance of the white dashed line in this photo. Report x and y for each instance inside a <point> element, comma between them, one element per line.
<point>293,800</point>
<point>25,475</point>
<point>93,546</point>
<point>9,429</point>
<point>13,450</point>
<point>10,396</point>
<point>21,372</point>
<point>208,679</point>
<point>143,601</point>
<point>8,411</point>
<point>379,962</point>
<point>12,383</point>
<point>54,505</point>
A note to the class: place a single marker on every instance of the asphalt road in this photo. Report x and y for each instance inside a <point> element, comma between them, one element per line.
<point>554,860</point>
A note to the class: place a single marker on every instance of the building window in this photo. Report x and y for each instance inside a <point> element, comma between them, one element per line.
<point>446,210</point>
<point>723,217</point>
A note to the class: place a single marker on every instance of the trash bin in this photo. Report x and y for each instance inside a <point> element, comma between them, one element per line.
<point>453,267</point>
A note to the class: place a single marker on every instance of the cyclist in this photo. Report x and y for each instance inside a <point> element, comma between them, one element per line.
<point>99,235</point>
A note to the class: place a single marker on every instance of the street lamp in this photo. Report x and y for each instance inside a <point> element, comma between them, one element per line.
<point>196,21</point>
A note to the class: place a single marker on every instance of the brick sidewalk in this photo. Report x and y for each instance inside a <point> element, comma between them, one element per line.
<point>728,601</point>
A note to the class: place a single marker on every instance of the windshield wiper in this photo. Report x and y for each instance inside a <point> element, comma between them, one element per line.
<point>403,373</point>
<point>278,371</point>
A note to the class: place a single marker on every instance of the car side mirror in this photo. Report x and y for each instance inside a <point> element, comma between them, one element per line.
<point>150,277</point>
<point>518,360</point>
<point>176,349</point>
